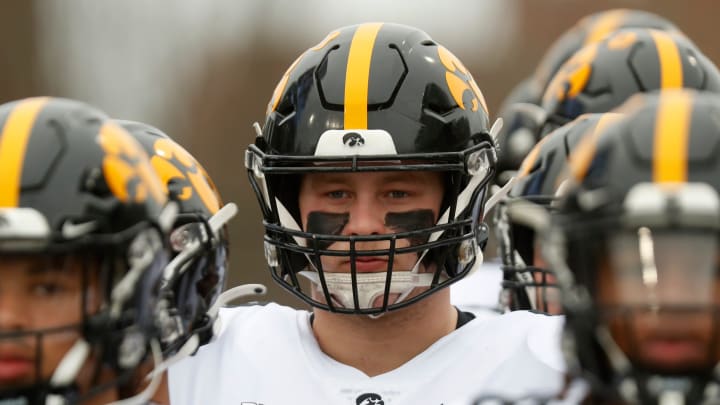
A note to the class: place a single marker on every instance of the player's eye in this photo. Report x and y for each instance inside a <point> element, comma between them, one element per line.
<point>337,194</point>
<point>398,194</point>
<point>46,288</point>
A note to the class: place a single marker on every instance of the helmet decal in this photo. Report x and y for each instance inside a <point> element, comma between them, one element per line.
<point>357,77</point>
<point>459,80</point>
<point>13,142</point>
<point>604,25</point>
<point>125,166</point>
<point>622,40</point>
<point>672,130</point>
<point>334,142</point>
<point>172,162</point>
<point>573,77</point>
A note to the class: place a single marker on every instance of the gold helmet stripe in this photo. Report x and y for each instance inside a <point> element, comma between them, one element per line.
<point>580,159</point>
<point>671,72</point>
<point>357,76</point>
<point>531,158</point>
<point>603,26</point>
<point>672,130</point>
<point>13,143</point>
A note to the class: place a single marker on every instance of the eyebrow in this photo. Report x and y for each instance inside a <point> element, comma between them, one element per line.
<point>57,265</point>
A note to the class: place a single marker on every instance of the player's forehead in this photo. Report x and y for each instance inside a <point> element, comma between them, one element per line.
<point>15,265</point>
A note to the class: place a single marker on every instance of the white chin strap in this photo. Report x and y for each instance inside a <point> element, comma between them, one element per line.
<point>370,286</point>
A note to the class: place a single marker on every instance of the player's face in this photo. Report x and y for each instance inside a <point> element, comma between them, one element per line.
<point>660,293</point>
<point>548,298</point>
<point>372,203</point>
<point>41,294</point>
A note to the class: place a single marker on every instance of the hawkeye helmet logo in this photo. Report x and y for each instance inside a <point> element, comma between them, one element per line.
<point>369,399</point>
<point>461,84</point>
<point>182,176</point>
<point>353,139</point>
<point>573,77</point>
<point>126,167</point>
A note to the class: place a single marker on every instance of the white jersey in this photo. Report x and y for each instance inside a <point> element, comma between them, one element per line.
<point>479,292</point>
<point>268,355</point>
<point>531,362</point>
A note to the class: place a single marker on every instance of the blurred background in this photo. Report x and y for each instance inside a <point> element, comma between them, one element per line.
<point>204,70</point>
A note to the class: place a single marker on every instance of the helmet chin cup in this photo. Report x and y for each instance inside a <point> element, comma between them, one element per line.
<point>369,286</point>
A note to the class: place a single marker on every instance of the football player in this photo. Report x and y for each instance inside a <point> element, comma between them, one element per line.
<point>371,172</point>
<point>601,76</point>
<point>83,220</point>
<point>194,278</point>
<point>528,283</point>
<point>634,246</point>
<point>519,110</point>
<point>522,119</point>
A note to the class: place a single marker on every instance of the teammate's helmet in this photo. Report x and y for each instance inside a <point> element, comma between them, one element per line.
<point>374,97</point>
<point>635,250</point>
<point>590,30</point>
<point>76,193</point>
<point>522,118</point>
<point>602,76</point>
<point>522,121</point>
<point>198,276</point>
<point>526,284</point>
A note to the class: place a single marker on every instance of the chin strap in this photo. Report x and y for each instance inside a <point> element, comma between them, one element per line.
<point>370,286</point>
<point>68,369</point>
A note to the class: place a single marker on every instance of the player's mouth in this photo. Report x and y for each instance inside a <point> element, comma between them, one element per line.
<point>15,365</point>
<point>368,264</point>
<point>670,353</point>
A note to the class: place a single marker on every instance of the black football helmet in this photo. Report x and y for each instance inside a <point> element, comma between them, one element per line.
<point>601,76</point>
<point>520,110</point>
<point>589,30</point>
<point>78,199</point>
<point>199,239</point>
<point>634,246</point>
<point>527,283</point>
<point>373,97</point>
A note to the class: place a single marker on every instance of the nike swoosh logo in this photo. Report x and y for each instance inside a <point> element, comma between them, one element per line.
<point>72,230</point>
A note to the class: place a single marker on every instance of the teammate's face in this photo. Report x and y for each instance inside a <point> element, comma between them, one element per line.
<point>40,293</point>
<point>660,294</point>
<point>372,203</point>
<point>547,298</point>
